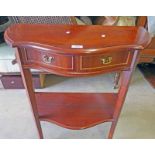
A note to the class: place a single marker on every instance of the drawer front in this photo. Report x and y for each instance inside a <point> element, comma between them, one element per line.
<point>49,60</point>
<point>15,82</point>
<point>107,60</point>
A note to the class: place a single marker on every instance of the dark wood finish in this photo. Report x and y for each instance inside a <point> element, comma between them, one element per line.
<point>77,51</point>
<point>141,21</point>
<point>147,55</point>
<point>15,81</point>
<point>122,92</point>
<point>28,83</point>
<point>91,108</point>
<point>151,45</point>
<point>60,61</point>
<point>70,61</point>
<point>63,36</point>
<point>118,58</point>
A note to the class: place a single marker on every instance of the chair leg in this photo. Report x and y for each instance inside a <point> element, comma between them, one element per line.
<point>116,80</point>
<point>42,80</point>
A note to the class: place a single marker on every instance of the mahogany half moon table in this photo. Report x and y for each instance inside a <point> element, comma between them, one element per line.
<point>74,50</point>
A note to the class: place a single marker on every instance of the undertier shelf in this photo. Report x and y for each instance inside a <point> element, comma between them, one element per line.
<point>76,110</point>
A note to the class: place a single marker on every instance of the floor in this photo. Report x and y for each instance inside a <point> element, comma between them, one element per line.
<point>136,120</point>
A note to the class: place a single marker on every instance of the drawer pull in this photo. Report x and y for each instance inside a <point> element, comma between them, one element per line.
<point>106,60</point>
<point>46,59</point>
<point>12,82</point>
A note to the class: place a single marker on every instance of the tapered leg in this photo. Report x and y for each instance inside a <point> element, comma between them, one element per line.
<point>28,83</point>
<point>42,80</point>
<point>124,85</point>
<point>112,129</point>
<point>125,79</point>
<point>116,80</point>
<point>31,95</point>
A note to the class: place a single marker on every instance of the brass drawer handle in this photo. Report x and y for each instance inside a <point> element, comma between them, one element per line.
<point>106,60</point>
<point>46,59</point>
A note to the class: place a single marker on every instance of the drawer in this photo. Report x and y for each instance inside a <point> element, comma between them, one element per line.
<point>49,59</point>
<point>107,60</point>
<point>15,81</point>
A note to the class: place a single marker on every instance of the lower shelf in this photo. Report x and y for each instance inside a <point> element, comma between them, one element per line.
<point>76,110</point>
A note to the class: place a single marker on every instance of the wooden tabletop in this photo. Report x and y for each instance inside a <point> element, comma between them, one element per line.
<point>80,38</point>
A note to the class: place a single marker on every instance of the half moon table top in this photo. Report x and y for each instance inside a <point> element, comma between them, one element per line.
<point>77,38</point>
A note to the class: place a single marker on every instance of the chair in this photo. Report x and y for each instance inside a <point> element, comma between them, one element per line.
<point>73,50</point>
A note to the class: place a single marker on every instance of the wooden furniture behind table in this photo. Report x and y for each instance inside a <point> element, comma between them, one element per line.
<point>73,50</point>
<point>148,54</point>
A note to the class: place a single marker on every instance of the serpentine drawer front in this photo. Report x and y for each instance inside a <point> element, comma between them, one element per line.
<point>88,63</point>
<point>107,60</point>
<point>48,59</point>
